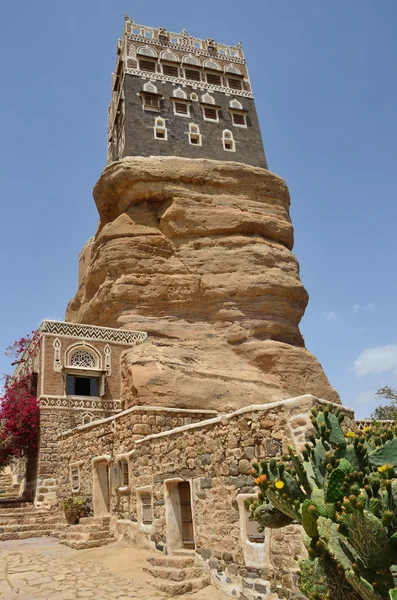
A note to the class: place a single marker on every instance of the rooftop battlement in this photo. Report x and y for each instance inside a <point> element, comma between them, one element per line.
<point>182,41</point>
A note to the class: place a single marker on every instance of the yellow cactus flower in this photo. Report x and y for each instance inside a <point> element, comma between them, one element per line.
<point>366,429</point>
<point>279,485</point>
<point>350,434</point>
<point>383,468</point>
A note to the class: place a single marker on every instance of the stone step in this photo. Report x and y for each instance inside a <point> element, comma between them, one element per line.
<point>84,544</point>
<point>79,535</point>
<point>16,506</point>
<point>22,535</point>
<point>34,526</point>
<point>176,588</point>
<point>30,518</point>
<point>94,521</point>
<point>90,528</point>
<point>176,562</point>
<point>173,574</point>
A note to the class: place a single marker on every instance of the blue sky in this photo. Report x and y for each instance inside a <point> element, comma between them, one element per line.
<point>324,78</point>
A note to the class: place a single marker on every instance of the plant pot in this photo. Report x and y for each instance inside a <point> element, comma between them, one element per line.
<point>71,514</point>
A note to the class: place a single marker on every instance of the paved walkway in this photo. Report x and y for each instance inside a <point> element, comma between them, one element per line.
<point>43,569</point>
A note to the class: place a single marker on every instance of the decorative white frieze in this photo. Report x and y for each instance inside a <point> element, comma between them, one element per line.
<point>195,84</point>
<point>70,403</point>
<point>92,332</point>
<point>108,363</point>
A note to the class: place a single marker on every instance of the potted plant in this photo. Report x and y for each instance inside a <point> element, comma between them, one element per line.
<point>72,508</point>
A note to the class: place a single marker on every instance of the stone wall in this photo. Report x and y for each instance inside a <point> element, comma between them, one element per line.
<point>215,457</point>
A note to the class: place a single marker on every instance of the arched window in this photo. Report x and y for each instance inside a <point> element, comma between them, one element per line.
<point>170,56</point>
<point>87,418</point>
<point>150,87</point>
<point>83,359</point>
<point>194,135</point>
<point>232,69</point>
<point>178,93</point>
<point>211,64</point>
<point>160,130</point>
<point>228,141</point>
<point>149,63</point>
<point>146,51</point>
<point>191,60</point>
<point>207,99</point>
<point>236,104</point>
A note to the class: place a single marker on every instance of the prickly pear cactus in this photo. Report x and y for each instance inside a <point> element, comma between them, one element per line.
<point>342,489</point>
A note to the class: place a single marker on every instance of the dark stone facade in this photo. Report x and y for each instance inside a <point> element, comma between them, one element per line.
<point>139,126</point>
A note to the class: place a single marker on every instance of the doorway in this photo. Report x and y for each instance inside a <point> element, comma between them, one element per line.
<point>186,515</point>
<point>101,489</point>
<point>179,515</point>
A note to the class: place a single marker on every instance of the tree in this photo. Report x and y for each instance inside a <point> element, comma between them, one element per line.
<point>388,411</point>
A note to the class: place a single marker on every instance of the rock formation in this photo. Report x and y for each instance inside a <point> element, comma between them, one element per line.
<point>198,254</point>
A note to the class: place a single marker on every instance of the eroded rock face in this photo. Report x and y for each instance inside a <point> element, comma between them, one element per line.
<point>198,254</point>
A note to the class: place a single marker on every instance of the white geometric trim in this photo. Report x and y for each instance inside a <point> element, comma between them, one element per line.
<point>57,355</point>
<point>92,332</point>
<point>108,363</point>
<point>80,403</point>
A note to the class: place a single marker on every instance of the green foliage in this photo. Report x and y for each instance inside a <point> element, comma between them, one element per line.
<point>343,490</point>
<point>74,503</point>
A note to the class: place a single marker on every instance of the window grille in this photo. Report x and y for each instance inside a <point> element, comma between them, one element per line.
<point>124,474</point>
<point>147,65</point>
<point>82,358</point>
<point>181,108</point>
<point>238,119</point>
<point>151,101</point>
<point>236,84</point>
<point>213,79</point>
<point>211,114</point>
<point>170,70</point>
<point>192,74</point>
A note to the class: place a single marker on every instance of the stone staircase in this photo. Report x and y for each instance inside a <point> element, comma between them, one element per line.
<point>20,520</point>
<point>90,532</point>
<point>176,574</point>
<point>8,490</point>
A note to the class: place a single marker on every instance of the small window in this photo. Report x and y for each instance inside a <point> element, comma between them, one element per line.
<point>170,70</point>
<point>239,119</point>
<point>228,141</point>
<point>82,386</point>
<point>148,34</point>
<point>221,51</point>
<point>211,114</point>
<point>136,31</point>
<point>213,79</point>
<point>147,65</point>
<point>197,44</point>
<point>174,40</point>
<point>236,84</point>
<point>147,513</point>
<point>233,53</point>
<point>151,101</point>
<point>253,534</point>
<point>192,74</point>
<point>160,130</point>
<point>181,108</point>
<point>124,474</point>
<point>194,97</point>
<point>75,474</point>
<point>194,135</point>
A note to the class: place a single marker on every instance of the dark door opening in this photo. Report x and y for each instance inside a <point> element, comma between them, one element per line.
<point>186,515</point>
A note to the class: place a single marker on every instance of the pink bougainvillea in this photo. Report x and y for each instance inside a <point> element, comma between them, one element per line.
<point>19,407</point>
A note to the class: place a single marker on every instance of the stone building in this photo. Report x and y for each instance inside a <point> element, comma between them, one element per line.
<point>180,359</point>
<point>177,95</point>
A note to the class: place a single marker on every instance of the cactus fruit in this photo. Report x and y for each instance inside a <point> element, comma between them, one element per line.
<point>343,490</point>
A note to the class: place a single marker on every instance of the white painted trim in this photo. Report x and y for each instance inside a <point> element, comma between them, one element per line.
<point>252,408</point>
<point>145,527</point>
<point>158,409</point>
<point>256,555</point>
<point>103,458</point>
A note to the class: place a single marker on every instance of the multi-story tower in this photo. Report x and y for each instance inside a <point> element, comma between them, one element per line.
<point>176,95</point>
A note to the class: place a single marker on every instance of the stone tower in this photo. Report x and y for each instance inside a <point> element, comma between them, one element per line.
<point>176,95</point>
<point>194,243</point>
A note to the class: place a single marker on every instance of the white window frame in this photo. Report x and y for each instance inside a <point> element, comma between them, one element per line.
<point>162,128</point>
<point>120,459</point>
<point>145,491</point>
<point>195,134</point>
<point>176,101</point>
<point>72,467</point>
<point>217,114</point>
<point>228,140</point>
<point>237,112</point>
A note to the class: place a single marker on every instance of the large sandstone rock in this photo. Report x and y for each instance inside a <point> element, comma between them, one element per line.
<point>198,254</point>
